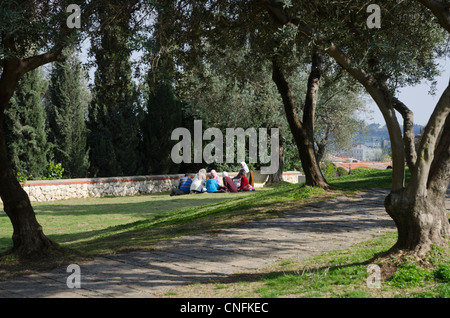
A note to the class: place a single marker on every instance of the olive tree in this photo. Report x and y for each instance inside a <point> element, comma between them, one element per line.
<point>32,34</point>
<point>205,28</point>
<point>403,51</point>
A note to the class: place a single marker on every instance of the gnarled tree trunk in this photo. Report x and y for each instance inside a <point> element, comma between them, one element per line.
<point>28,237</point>
<point>419,208</point>
<point>421,221</point>
<point>278,176</point>
<point>303,132</point>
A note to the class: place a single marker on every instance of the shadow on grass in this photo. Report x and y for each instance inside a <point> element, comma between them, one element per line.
<point>154,211</point>
<point>215,217</point>
<point>110,215</point>
<point>144,233</point>
<point>161,217</point>
<point>147,208</point>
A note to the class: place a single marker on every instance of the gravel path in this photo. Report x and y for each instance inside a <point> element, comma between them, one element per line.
<point>314,229</point>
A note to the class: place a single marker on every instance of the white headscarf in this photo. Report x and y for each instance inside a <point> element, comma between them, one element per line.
<point>244,166</point>
<point>224,174</point>
<point>202,174</point>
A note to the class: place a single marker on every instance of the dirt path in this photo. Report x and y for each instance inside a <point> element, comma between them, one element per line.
<point>300,234</point>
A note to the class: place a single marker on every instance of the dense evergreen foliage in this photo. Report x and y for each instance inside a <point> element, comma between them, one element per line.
<point>26,128</point>
<point>113,124</point>
<point>162,116</point>
<point>67,101</point>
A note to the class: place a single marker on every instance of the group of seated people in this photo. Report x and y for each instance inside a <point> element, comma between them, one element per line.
<point>212,184</point>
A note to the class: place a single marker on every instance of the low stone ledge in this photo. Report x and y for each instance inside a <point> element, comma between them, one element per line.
<point>63,189</point>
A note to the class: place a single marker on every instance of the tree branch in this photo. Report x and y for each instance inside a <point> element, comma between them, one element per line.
<point>377,90</point>
<point>408,132</point>
<point>31,63</point>
<point>440,10</point>
<point>439,176</point>
<point>428,143</point>
<point>381,96</point>
<point>14,68</point>
<point>311,94</point>
<point>288,101</point>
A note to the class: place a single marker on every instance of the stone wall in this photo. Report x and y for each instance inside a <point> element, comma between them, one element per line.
<point>51,190</point>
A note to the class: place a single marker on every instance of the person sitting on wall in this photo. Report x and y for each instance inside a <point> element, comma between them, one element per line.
<point>184,187</point>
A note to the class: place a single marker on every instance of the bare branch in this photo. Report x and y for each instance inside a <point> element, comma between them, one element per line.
<point>439,176</point>
<point>288,100</point>
<point>36,61</point>
<point>311,94</point>
<point>408,132</point>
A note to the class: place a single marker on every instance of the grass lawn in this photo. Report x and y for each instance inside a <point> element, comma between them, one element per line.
<point>97,226</point>
<point>75,221</point>
<point>81,223</point>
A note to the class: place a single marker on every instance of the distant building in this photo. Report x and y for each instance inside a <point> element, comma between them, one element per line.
<point>386,143</point>
<point>341,158</point>
<point>366,164</point>
<point>365,153</point>
<point>374,143</point>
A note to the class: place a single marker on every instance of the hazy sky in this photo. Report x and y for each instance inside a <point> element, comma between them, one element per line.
<point>417,99</point>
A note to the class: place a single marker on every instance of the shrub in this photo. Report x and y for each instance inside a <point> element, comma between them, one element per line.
<point>21,178</point>
<point>54,171</point>
<point>341,172</point>
<point>330,171</point>
<point>362,171</point>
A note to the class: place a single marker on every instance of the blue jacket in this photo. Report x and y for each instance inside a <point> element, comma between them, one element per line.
<point>185,184</point>
<point>211,185</point>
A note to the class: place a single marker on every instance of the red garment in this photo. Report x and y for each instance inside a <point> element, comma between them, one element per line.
<point>229,184</point>
<point>244,184</point>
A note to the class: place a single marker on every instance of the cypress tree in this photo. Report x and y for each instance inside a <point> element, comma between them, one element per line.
<point>66,109</point>
<point>163,108</point>
<point>162,117</point>
<point>26,127</point>
<point>113,121</point>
